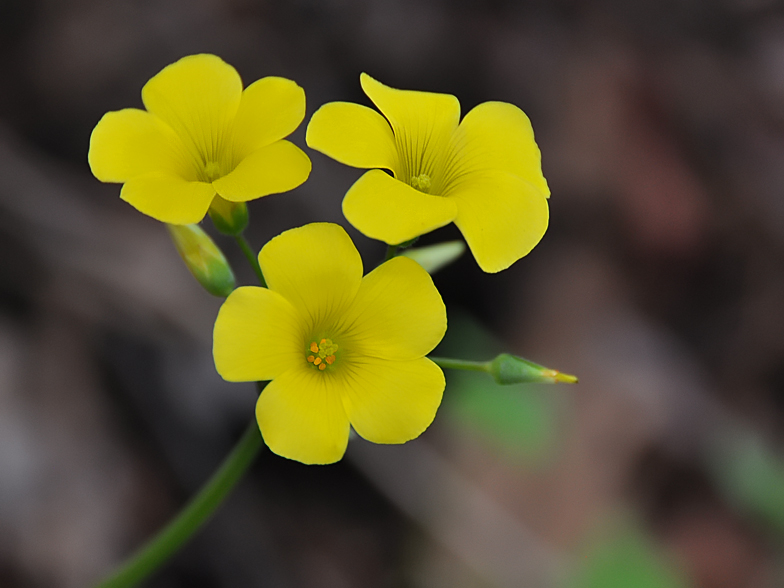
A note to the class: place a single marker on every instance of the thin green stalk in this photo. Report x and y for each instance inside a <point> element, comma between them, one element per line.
<point>251,257</point>
<point>194,515</point>
<point>448,363</point>
<point>391,252</point>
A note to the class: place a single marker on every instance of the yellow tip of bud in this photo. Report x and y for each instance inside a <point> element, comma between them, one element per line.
<point>564,378</point>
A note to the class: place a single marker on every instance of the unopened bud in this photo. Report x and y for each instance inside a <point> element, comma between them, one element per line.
<point>230,218</point>
<point>435,257</point>
<point>203,258</point>
<point>510,369</point>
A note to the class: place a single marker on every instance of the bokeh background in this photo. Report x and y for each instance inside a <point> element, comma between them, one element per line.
<point>660,283</point>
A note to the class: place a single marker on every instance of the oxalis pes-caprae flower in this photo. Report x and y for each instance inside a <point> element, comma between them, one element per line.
<point>341,350</point>
<point>484,174</point>
<point>202,141</point>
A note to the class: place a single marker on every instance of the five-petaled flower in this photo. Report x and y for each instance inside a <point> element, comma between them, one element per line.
<point>202,137</point>
<point>483,173</point>
<point>341,350</point>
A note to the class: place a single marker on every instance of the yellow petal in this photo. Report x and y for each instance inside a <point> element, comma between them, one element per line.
<point>496,136</point>
<point>301,417</point>
<point>275,168</point>
<point>386,209</point>
<point>258,335</point>
<point>197,96</point>
<point>392,401</point>
<point>353,135</point>
<point>131,142</point>
<point>270,109</point>
<point>397,313</point>
<point>169,199</point>
<point>423,123</point>
<point>316,267</point>
<point>501,216</point>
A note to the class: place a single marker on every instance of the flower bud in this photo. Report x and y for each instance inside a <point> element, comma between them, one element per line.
<point>230,218</point>
<point>510,369</point>
<point>435,257</point>
<point>203,258</point>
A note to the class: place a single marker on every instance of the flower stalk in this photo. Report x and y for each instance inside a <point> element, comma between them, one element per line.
<point>247,250</point>
<point>201,507</point>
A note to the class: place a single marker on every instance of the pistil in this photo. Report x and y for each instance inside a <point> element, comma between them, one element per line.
<point>322,353</point>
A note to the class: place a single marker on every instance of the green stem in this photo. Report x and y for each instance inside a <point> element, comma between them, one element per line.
<point>391,252</point>
<point>251,257</point>
<point>194,515</point>
<point>448,363</point>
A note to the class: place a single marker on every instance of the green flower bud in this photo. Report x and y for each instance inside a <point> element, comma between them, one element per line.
<point>203,258</point>
<point>230,218</point>
<point>510,369</point>
<point>435,257</point>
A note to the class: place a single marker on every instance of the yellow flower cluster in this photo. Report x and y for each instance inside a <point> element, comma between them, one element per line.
<point>341,350</point>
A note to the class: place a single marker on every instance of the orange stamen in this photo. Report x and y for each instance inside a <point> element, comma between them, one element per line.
<point>310,358</point>
<point>317,361</point>
<point>330,359</point>
<point>314,347</point>
<point>323,366</point>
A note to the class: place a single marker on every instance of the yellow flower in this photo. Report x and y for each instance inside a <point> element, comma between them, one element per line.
<point>340,349</point>
<point>201,135</point>
<point>484,174</point>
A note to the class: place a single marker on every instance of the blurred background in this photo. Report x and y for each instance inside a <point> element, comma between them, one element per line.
<point>660,283</point>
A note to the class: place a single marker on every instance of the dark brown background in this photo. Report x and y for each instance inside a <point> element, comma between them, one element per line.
<point>660,283</point>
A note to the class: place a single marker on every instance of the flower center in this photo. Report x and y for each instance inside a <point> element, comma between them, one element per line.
<point>322,354</point>
<point>212,170</point>
<point>421,183</point>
